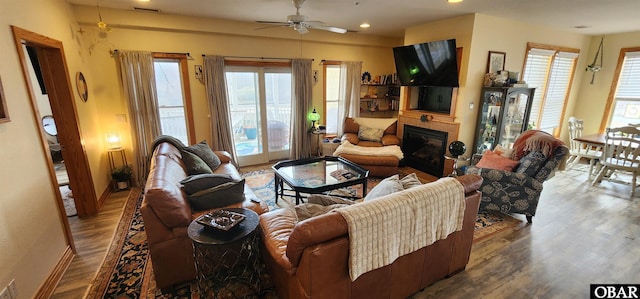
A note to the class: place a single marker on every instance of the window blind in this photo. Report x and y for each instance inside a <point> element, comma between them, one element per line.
<point>557,90</point>
<point>629,80</point>
<point>535,74</point>
<point>549,71</point>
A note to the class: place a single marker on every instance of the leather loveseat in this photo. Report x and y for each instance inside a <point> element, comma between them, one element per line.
<point>167,214</point>
<point>310,258</point>
<point>378,165</point>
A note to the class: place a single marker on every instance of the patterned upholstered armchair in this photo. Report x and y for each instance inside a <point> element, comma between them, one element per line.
<point>518,191</point>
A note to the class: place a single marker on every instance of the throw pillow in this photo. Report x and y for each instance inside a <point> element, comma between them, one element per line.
<point>199,182</point>
<point>409,181</point>
<point>370,134</point>
<point>385,187</point>
<point>327,200</point>
<point>218,196</point>
<point>309,210</point>
<point>205,153</point>
<point>194,164</point>
<point>494,161</point>
<point>505,152</point>
<point>531,163</point>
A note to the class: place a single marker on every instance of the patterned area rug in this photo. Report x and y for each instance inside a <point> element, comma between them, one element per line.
<point>127,273</point>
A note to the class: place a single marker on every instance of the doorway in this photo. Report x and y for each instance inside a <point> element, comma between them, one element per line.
<point>260,106</point>
<point>56,80</point>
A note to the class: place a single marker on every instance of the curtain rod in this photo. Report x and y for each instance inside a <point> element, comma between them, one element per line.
<point>251,57</point>
<point>327,60</point>
<point>187,53</point>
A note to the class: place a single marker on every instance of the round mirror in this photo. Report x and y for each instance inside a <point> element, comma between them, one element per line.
<point>49,125</point>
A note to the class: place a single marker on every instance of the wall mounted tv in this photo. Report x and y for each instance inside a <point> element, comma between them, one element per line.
<point>427,64</point>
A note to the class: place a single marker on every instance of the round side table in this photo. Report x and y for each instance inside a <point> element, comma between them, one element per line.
<point>228,262</point>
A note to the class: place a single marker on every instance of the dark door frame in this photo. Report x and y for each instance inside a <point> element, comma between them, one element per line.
<point>58,84</point>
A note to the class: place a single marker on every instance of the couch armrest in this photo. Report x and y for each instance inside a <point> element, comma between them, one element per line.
<point>390,140</point>
<point>503,179</point>
<point>224,156</point>
<point>315,231</point>
<point>351,137</point>
<point>275,229</point>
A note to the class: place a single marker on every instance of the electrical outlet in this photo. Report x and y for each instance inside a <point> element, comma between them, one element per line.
<point>5,294</point>
<point>13,290</point>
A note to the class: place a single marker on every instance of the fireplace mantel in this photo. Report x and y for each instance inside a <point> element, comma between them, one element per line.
<point>434,122</point>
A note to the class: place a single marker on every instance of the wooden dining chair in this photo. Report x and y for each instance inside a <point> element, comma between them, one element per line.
<point>578,149</point>
<point>621,153</point>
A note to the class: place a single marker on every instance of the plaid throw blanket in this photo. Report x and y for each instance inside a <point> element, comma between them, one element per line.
<point>391,226</point>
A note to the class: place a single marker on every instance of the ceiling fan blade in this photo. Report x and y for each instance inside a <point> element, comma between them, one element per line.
<point>274,23</point>
<point>274,26</point>
<point>322,26</point>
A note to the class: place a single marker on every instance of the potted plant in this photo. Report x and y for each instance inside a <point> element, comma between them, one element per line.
<point>122,176</point>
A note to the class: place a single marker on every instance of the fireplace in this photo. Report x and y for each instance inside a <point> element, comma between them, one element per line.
<point>424,149</point>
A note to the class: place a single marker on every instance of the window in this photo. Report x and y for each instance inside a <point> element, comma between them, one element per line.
<point>331,90</point>
<point>174,99</point>
<point>260,106</point>
<point>550,71</point>
<point>626,98</point>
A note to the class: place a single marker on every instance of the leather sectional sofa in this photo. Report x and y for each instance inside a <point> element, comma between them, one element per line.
<point>310,259</point>
<point>167,214</point>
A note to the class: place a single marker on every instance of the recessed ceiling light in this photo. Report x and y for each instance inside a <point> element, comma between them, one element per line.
<point>365,25</point>
<point>581,26</point>
<point>454,1</point>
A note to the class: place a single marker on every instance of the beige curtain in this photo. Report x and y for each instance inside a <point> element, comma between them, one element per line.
<point>349,92</point>
<point>216,90</point>
<point>139,86</point>
<point>302,76</point>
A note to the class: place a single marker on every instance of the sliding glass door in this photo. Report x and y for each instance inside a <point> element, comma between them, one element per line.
<point>260,106</point>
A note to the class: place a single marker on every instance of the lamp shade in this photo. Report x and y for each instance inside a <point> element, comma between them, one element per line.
<point>314,116</point>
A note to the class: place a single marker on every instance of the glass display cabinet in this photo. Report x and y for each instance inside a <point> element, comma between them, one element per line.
<point>503,115</point>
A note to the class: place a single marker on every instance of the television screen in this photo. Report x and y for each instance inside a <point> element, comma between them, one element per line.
<point>427,64</point>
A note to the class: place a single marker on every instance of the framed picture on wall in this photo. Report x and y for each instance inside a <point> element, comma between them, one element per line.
<point>4,115</point>
<point>496,60</point>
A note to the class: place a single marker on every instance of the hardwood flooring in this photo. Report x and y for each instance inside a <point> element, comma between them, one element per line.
<point>92,236</point>
<point>580,235</point>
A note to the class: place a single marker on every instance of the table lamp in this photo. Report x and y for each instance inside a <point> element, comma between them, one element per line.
<point>314,117</point>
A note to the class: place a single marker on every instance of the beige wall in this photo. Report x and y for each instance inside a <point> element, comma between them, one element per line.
<point>31,233</point>
<point>478,34</point>
<point>197,36</point>
<point>591,98</point>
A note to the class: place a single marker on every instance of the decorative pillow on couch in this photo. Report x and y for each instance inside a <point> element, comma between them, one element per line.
<point>371,134</point>
<point>205,153</point>
<point>494,161</point>
<point>387,186</point>
<point>194,164</point>
<point>199,182</point>
<point>217,197</point>
<point>410,181</point>
<point>531,163</point>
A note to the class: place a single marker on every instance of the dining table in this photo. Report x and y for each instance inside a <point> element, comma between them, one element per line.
<point>597,139</point>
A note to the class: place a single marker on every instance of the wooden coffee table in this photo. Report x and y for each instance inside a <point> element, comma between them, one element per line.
<point>317,175</point>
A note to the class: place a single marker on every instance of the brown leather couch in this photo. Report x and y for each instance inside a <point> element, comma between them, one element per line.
<point>379,166</point>
<point>309,259</point>
<point>167,214</point>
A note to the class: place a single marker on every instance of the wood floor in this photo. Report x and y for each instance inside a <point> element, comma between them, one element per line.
<point>580,235</point>
<point>92,236</point>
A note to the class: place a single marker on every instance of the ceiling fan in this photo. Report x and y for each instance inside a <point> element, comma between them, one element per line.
<point>299,22</point>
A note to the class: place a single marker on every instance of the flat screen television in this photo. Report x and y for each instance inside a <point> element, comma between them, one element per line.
<point>427,64</point>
